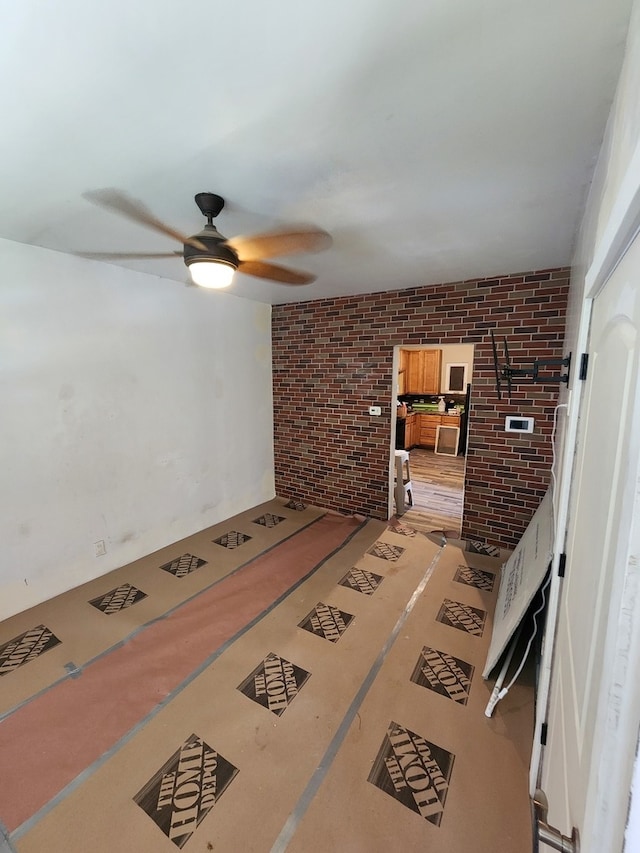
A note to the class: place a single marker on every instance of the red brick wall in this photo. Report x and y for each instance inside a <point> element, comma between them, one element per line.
<point>333,358</point>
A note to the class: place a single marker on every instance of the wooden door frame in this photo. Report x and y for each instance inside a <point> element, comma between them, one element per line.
<point>394,400</point>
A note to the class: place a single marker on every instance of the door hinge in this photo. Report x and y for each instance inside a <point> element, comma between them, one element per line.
<point>549,835</point>
<point>584,364</point>
<point>543,734</point>
<point>561,565</point>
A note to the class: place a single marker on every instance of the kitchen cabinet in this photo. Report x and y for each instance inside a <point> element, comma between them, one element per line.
<point>420,430</point>
<point>450,420</point>
<point>414,373</point>
<point>432,362</point>
<point>411,433</point>
<point>422,372</point>
<point>428,427</point>
<point>416,431</point>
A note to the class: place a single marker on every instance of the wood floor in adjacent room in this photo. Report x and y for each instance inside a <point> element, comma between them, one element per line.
<point>287,680</point>
<point>438,491</point>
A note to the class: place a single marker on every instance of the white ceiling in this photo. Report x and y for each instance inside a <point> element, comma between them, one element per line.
<point>435,140</point>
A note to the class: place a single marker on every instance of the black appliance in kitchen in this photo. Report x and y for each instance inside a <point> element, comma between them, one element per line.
<point>464,423</point>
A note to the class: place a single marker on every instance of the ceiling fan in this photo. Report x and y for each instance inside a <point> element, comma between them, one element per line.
<point>211,258</point>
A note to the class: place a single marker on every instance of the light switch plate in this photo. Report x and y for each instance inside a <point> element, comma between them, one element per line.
<point>375,410</point>
<point>516,423</point>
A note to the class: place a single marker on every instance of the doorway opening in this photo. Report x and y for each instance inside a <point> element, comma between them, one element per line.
<point>432,391</point>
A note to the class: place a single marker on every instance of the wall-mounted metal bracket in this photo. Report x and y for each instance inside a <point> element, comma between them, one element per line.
<point>545,834</point>
<point>535,373</point>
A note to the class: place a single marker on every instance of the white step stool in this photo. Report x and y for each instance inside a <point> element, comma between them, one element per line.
<point>403,487</point>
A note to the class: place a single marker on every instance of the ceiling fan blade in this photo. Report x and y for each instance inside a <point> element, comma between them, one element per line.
<point>273,244</point>
<point>105,256</point>
<point>284,275</point>
<point>119,202</point>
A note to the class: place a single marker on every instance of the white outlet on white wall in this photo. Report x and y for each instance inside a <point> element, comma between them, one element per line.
<point>100,548</point>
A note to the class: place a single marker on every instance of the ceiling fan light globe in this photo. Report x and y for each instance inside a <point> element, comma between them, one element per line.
<point>212,274</point>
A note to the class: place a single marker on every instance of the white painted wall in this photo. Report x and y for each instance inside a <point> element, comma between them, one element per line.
<point>133,410</point>
<point>611,217</point>
<point>614,178</point>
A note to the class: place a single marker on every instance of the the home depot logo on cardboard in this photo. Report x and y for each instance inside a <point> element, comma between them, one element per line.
<point>361,581</point>
<point>444,674</point>
<point>118,599</point>
<point>386,551</point>
<point>185,789</point>
<point>26,647</point>
<point>327,621</point>
<point>232,539</point>
<point>478,578</point>
<point>269,519</point>
<point>462,616</point>
<point>274,684</point>
<point>413,771</point>
<point>184,565</point>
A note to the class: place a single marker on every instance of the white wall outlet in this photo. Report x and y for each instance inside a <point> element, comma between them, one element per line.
<point>100,548</point>
<point>375,410</point>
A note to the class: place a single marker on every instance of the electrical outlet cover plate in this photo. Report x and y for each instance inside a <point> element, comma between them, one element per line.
<point>375,410</point>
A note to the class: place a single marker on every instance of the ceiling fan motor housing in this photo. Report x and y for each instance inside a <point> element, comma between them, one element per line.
<point>210,204</point>
<point>216,244</point>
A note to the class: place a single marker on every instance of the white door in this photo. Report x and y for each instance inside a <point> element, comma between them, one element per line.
<point>594,701</point>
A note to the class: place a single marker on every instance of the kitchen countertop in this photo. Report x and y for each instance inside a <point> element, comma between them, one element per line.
<point>422,412</point>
